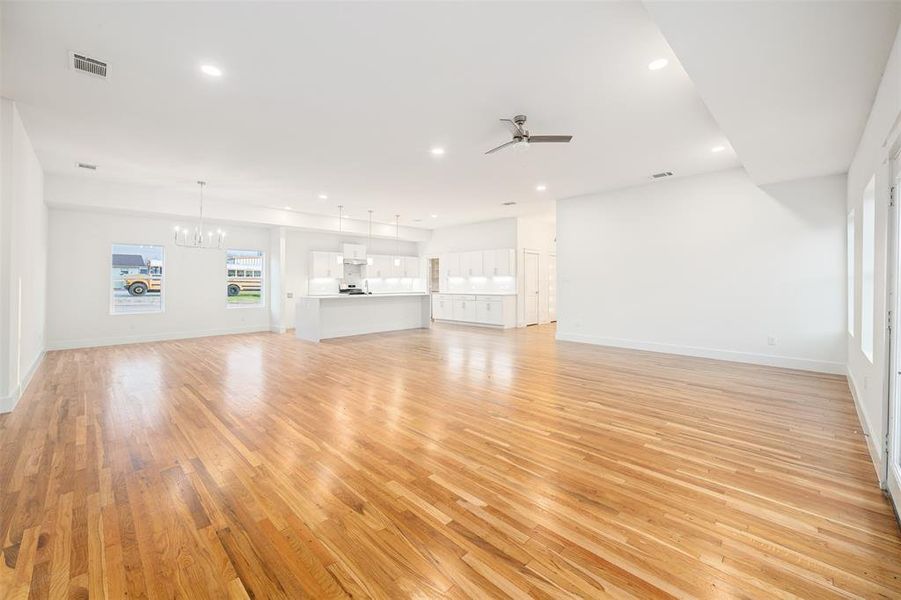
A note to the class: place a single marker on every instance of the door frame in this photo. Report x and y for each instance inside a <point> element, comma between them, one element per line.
<point>891,474</point>
<point>551,257</point>
<point>525,278</point>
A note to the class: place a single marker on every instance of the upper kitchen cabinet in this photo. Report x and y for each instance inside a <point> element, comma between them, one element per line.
<point>381,267</point>
<point>410,265</point>
<point>450,264</point>
<point>503,262</point>
<point>328,265</point>
<point>354,252</point>
<point>471,264</point>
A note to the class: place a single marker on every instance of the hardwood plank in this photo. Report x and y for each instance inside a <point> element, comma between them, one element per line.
<point>452,462</point>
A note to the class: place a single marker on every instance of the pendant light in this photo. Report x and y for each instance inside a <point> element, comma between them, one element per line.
<point>396,243</point>
<point>196,238</point>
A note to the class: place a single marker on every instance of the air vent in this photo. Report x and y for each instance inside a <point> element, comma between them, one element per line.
<point>509,203</point>
<point>86,166</point>
<point>88,65</point>
<point>662,174</point>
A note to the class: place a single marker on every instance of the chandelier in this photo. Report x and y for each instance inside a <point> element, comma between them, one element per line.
<point>197,237</point>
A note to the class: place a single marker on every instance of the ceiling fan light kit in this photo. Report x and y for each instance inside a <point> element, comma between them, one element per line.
<point>522,138</point>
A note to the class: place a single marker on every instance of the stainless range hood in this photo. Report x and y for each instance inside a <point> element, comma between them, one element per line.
<point>354,254</point>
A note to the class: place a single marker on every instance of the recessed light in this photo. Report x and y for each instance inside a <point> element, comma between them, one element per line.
<point>509,203</point>
<point>437,151</point>
<point>540,187</point>
<point>717,148</point>
<point>656,65</point>
<point>287,208</point>
<point>323,197</point>
<point>434,216</point>
<point>211,70</point>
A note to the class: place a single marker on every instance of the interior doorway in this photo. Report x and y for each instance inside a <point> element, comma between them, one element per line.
<point>532,268</point>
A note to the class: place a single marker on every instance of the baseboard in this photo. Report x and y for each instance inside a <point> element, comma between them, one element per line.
<point>785,362</point>
<point>873,445</point>
<point>8,403</point>
<point>156,337</point>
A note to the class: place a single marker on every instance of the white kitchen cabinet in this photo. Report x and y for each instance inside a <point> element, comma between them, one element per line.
<point>450,264</point>
<point>490,312</point>
<point>327,265</point>
<point>471,264</point>
<point>504,263</point>
<point>443,307</point>
<point>489,262</point>
<point>465,308</point>
<point>382,267</point>
<point>410,265</point>
<point>355,251</point>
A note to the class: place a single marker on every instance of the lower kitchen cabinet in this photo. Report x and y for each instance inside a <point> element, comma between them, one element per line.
<point>492,310</point>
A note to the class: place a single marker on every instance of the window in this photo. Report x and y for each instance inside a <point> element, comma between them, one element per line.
<point>868,268</point>
<point>136,279</point>
<point>851,289</point>
<point>244,277</point>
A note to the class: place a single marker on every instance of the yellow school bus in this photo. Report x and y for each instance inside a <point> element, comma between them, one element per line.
<point>148,280</point>
<point>244,279</point>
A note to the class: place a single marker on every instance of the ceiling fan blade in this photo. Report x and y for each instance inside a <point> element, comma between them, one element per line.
<point>541,139</point>
<point>502,146</point>
<point>515,129</point>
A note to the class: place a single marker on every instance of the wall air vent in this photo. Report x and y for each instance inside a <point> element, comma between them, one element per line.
<point>88,65</point>
<point>662,174</point>
<point>82,165</point>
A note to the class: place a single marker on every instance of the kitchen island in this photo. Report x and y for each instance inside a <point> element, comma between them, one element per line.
<point>340,315</point>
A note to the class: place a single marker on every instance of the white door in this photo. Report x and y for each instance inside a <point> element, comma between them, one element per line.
<point>552,288</point>
<point>893,457</point>
<point>532,287</point>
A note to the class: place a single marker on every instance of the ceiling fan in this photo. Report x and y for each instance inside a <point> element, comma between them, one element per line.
<point>521,135</point>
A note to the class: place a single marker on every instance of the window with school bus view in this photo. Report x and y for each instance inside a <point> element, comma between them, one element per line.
<point>244,269</point>
<point>136,278</point>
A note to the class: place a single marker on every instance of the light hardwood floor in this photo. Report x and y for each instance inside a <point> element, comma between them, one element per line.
<point>446,463</point>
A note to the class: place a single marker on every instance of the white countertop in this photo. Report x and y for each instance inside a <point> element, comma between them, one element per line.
<point>384,295</point>
<point>475,293</point>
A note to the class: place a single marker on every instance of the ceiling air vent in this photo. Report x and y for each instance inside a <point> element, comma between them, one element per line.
<point>88,65</point>
<point>662,174</point>
<point>509,203</point>
<point>82,165</point>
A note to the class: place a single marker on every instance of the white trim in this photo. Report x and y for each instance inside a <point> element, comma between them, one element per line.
<point>157,337</point>
<point>873,445</point>
<point>8,403</point>
<point>786,362</point>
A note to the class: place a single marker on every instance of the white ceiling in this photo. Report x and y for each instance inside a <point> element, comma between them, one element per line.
<point>348,98</point>
<point>790,83</point>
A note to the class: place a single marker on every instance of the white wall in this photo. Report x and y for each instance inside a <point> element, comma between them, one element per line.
<point>535,233</point>
<point>23,257</point>
<point>89,191</point>
<point>868,380</point>
<point>299,244</point>
<point>78,304</point>
<point>709,265</point>
<point>486,235</point>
